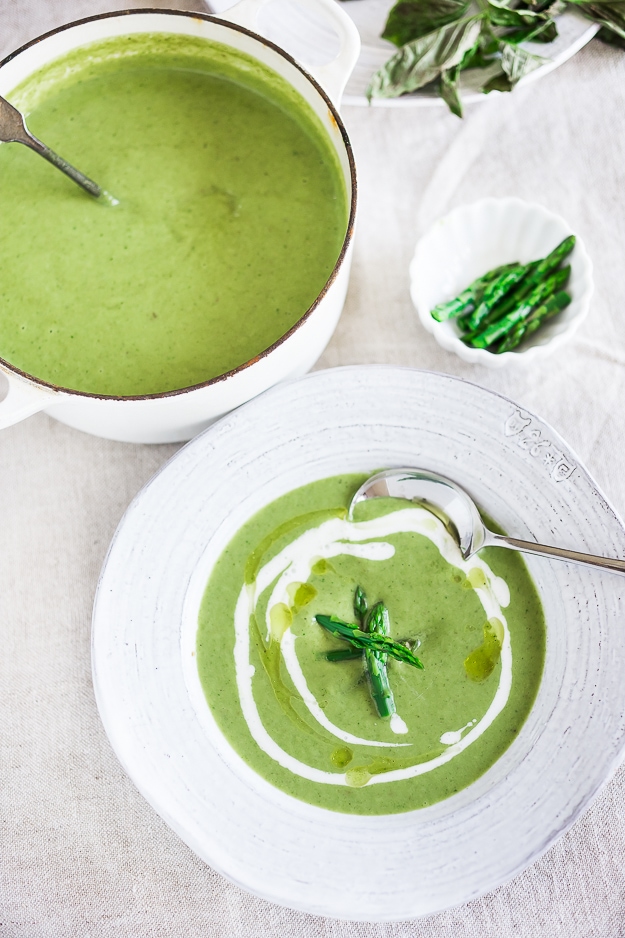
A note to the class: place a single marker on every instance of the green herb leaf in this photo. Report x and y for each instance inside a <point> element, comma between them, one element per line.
<point>500,14</point>
<point>544,32</point>
<point>498,82</point>
<point>483,53</point>
<point>554,8</point>
<point>448,90</point>
<point>517,62</point>
<point>423,60</point>
<point>411,19</point>
<point>610,15</point>
<point>610,37</point>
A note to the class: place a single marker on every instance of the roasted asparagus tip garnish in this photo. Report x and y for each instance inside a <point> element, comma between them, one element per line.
<point>378,624</point>
<point>351,633</point>
<point>360,604</point>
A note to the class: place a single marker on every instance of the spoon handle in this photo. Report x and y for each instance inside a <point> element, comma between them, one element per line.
<point>559,553</point>
<point>65,167</point>
<point>13,129</point>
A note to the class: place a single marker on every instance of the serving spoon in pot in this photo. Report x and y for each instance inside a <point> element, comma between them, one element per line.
<point>13,129</point>
<point>458,512</point>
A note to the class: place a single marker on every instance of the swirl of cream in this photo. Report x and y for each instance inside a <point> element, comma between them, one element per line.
<point>295,562</point>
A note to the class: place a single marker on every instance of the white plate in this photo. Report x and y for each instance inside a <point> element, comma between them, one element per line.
<point>145,619</point>
<point>312,41</point>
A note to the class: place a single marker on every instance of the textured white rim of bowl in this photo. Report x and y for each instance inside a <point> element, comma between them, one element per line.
<point>269,843</point>
<point>479,236</point>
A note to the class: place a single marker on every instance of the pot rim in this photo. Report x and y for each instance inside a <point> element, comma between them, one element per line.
<point>346,241</point>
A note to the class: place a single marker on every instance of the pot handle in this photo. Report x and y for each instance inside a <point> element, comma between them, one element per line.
<point>333,76</point>
<point>22,400</point>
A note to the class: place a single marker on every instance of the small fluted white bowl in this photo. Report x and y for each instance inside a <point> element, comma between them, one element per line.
<point>474,239</point>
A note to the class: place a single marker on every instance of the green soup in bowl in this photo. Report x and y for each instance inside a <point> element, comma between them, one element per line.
<point>228,215</point>
<point>301,706</point>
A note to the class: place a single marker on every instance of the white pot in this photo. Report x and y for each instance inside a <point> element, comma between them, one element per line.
<point>179,415</point>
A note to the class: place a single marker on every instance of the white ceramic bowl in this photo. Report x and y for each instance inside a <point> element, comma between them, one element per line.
<point>145,622</point>
<point>476,238</point>
<point>179,415</point>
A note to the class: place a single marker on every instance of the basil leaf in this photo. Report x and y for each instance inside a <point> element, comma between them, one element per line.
<point>610,15</point>
<point>517,63</point>
<point>545,32</point>
<point>448,90</point>
<point>411,19</point>
<point>483,53</point>
<point>498,82</point>
<point>423,60</point>
<point>501,15</point>
<point>554,9</point>
<point>611,38</point>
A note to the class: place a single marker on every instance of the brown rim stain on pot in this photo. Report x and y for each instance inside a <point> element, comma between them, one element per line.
<point>334,117</point>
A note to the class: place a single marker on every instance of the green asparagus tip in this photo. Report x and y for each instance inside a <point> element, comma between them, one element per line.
<point>360,603</point>
<point>368,640</point>
<point>347,654</point>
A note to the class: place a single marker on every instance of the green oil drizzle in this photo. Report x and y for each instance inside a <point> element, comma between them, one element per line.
<point>322,566</point>
<point>310,520</point>
<point>305,593</point>
<point>300,594</point>
<point>475,579</point>
<point>342,757</point>
<point>280,619</point>
<point>480,664</point>
<point>270,656</point>
<point>361,774</point>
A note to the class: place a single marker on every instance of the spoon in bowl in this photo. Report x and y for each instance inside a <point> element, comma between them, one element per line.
<point>458,512</point>
<point>13,129</point>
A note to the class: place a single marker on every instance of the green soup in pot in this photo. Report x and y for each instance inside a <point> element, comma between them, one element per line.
<point>310,725</point>
<point>231,215</point>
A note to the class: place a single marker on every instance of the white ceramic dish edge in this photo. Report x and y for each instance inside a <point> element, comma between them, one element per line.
<point>153,787</point>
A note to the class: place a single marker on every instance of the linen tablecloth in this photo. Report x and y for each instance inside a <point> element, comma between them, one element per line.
<point>81,852</point>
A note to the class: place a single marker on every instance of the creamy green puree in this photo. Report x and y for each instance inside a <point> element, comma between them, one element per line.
<point>309,725</point>
<point>232,213</point>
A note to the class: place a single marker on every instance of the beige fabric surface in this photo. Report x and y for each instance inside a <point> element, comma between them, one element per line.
<point>81,853</point>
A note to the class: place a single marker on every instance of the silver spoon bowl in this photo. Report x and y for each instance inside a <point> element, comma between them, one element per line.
<point>458,512</point>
